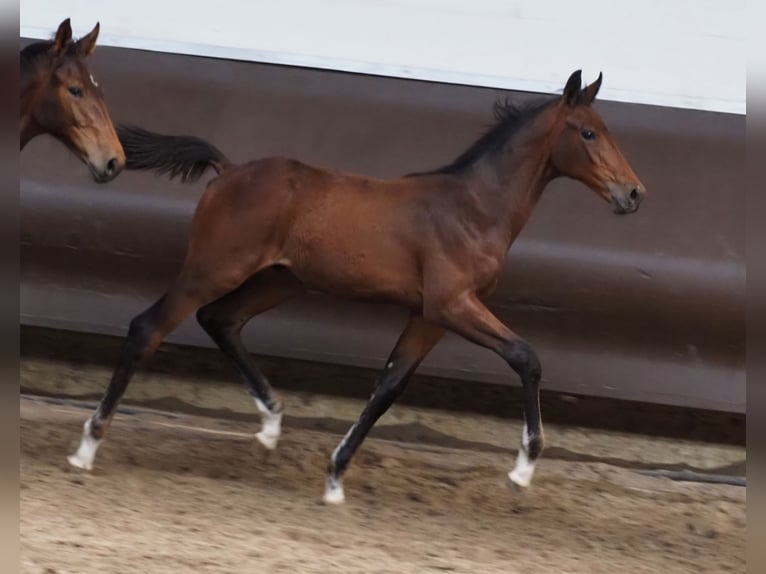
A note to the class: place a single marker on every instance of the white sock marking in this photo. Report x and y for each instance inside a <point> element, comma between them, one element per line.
<point>333,493</point>
<point>525,468</point>
<point>271,426</point>
<point>86,453</point>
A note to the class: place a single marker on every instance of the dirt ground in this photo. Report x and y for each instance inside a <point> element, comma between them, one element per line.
<point>181,493</point>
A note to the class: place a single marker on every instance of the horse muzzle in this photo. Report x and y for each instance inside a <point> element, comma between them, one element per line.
<point>106,171</point>
<point>626,198</point>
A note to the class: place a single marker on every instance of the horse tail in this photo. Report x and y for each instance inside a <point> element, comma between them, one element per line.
<point>186,157</point>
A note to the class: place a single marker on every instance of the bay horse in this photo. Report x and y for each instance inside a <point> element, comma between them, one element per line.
<point>60,97</point>
<point>433,242</point>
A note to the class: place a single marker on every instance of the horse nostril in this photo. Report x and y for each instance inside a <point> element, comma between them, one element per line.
<point>634,195</point>
<point>111,166</point>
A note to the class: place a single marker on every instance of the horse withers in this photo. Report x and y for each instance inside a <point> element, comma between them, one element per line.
<point>60,97</point>
<point>434,242</point>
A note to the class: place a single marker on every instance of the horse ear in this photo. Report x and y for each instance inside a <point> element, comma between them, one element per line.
<point>572,89</point>
<point>87,44</point>
<point>63,37</point>
<point>589,92</point>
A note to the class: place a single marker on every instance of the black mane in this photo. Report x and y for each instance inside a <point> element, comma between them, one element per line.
<point>32,52</point>
<point>36,51</point>
<point>509,118</point>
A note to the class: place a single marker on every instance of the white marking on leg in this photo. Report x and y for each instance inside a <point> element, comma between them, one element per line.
<point>525,468</point>
<point>333,493</point>
<point>342,443</point>
<point>86,453</point>
<point>271,426</point>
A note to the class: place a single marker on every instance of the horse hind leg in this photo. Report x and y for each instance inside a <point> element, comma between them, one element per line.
<point>223,320</point>
<point>415,342</point>
<point>145,334</point>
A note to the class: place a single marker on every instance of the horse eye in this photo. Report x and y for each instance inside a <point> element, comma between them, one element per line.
<point>588,135</point>
<point>75,91</point>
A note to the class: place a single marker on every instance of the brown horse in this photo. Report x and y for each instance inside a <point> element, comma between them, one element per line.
<point>434,242</point>
<point>60,97</point>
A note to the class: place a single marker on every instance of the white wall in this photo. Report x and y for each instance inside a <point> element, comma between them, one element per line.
<point>679,53</point>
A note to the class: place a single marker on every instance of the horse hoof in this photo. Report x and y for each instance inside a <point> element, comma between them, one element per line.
<point>268,440</point>
<point>79,462</point>
<point>519,480</point>
<point>333,493</point>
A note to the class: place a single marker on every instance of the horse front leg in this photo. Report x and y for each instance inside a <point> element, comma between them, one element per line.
<point>467,316</point>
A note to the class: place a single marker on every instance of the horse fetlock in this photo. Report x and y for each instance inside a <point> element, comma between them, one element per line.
<point>333,493</point>
<point>522,473</point>
<point>532,444</point>
<point>271,428</point>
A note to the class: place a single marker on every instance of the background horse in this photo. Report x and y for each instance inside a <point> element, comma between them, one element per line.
<point>60,97</point>
<point>434,242</point>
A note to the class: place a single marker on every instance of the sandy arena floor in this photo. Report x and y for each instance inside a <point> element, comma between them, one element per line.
<point>179,493</point>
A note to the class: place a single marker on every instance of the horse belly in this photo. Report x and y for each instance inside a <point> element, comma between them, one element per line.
<point>379,273</point>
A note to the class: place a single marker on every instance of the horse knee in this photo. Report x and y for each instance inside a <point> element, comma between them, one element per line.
<point>140,331</point>
<point>524,360</point>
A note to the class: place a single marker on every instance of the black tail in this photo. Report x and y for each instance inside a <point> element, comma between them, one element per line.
<point>184,156</point>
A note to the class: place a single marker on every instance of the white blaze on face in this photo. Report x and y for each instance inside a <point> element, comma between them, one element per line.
<point>93,81</point>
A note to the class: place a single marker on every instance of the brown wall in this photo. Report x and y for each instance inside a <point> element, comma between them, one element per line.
<point>647,307</point>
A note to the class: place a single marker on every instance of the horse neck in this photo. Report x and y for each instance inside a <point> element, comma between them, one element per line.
<point>32,81</point>
<point>29,129</point>
<point>512,181</point>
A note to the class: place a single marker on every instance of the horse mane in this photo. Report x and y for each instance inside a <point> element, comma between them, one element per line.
<point>509,118</point>
<point>32,53</point>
